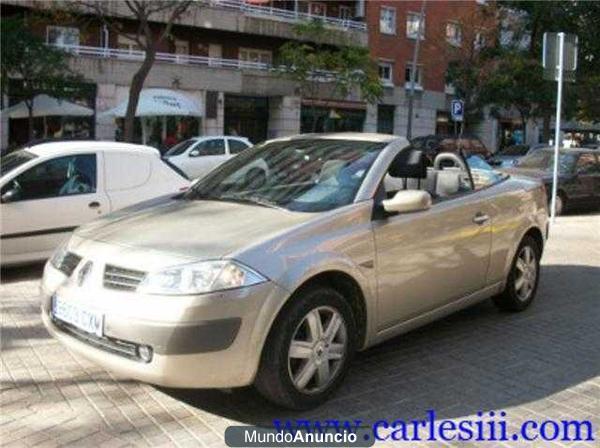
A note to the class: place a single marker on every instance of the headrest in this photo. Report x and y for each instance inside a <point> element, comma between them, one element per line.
<point>409,162</point>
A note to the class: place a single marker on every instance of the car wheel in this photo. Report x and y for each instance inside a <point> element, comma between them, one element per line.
<point>522,282</point>
<point>308,349</point>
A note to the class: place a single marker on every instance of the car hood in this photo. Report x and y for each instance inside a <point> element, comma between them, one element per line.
<point>196,229</point>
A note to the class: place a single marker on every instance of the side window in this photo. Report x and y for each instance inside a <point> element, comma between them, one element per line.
<point>586,164</point>
<point>63,176</point>
<point>214,147</point>
<point>482,173</point>
<point>236,146</point>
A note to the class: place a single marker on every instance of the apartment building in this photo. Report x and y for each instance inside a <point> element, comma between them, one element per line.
<point>221,56</point>
<point>222,52</point>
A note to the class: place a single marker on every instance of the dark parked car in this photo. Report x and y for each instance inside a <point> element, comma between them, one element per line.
<point>578,176</point>
<point>435,144</point>
<point>510,155</point>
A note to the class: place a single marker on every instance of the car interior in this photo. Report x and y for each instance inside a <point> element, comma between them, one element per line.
<point>447,177</point>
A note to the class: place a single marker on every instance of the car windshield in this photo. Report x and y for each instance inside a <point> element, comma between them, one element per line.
<point>300,175</point>
<point>180,148</point>
<point>14,160</point>
<point>544,160</point>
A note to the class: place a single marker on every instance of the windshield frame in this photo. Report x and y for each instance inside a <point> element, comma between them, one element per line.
<point>29,156</point>
<point>311,154</point>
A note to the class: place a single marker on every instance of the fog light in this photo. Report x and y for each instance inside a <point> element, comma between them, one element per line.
<point>145,353</point>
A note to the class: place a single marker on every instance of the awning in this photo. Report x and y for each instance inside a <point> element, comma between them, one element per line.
<point>159,102</point>
<point>47,106</point>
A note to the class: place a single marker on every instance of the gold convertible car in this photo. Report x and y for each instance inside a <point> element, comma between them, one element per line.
<point>279,265</point>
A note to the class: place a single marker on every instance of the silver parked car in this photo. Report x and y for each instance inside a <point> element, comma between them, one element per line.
<point>276,281</point>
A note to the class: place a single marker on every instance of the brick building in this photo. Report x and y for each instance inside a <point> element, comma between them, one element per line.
<point>221,54</point>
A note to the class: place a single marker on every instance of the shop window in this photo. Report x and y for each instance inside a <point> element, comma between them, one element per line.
<point>62,36</point>
<point>386,73</point>
<point>387,20</point>
<point>413,20</point>
<point>454,34</point>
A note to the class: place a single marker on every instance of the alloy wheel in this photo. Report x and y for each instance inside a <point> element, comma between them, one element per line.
<point>317,350</point>
<point>526,273</point>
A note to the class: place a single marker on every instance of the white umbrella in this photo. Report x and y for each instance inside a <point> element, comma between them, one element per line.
<point>159,102</point>
<point>47,106</point>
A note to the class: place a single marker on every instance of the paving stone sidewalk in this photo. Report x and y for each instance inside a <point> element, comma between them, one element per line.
<point>540,364</point>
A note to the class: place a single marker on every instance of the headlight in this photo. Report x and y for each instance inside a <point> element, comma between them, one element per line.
<point>198,278</point>
<point>59,256</point>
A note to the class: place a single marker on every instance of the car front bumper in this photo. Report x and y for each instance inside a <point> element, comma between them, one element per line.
<point>205,341</point>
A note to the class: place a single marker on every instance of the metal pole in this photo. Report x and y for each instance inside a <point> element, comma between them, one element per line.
<point>561,37</point>
<point>413,72</point>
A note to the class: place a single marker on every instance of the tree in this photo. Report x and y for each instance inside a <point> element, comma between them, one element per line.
<point>38,68</point>
<point>147,39</point>
<point>325,72</point>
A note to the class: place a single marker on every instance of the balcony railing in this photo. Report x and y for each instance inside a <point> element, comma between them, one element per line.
<point>286,14</point>
<point>172,58</point>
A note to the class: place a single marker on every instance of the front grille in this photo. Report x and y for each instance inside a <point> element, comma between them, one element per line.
<point>68,263</point>
<point>123,279</point>
<point>122,348</point>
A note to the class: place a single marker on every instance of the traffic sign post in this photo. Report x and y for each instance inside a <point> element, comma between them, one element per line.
<point>560,55</point>
<point>457,112</point>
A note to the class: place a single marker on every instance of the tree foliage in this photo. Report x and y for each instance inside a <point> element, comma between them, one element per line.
<point>324,72</point>
<point>39,69</point>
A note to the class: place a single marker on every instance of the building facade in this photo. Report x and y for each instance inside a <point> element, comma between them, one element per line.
<point>222,52</point>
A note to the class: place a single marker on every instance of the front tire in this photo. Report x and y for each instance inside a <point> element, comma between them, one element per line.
<point>521,285</point>
<point>308,350</point>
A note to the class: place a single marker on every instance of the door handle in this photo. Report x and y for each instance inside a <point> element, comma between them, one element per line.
<point>480,218</point>
<point>94,204</point>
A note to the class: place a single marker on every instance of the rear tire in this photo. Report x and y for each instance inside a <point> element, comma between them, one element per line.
<point>560,204</point>
<point>308,350</point>
<point>521,285</point>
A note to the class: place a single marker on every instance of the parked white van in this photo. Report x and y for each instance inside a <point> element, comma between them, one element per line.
<point>48,190</point>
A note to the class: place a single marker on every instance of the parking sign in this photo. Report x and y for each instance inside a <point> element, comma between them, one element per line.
<point>457,109</point>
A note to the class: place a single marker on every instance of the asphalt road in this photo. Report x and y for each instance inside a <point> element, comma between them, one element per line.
<point>540,364</point>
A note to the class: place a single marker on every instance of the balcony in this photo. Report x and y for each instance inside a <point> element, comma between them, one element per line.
<point>270,12</point>
<point>171,58</point>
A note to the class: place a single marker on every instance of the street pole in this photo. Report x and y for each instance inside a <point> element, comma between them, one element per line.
<point>413,72</point>
<point>561,37</point>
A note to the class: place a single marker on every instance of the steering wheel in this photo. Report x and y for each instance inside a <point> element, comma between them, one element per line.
<point>449,156</point>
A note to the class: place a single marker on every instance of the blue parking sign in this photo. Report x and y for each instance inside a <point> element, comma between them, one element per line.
<point>457,109</point>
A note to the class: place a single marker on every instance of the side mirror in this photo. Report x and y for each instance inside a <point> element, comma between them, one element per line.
<point>406,201</point>
<point>194,153</point>
<point>9,196</point>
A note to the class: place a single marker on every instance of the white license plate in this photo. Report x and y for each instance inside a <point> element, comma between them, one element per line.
<point>88,321</point>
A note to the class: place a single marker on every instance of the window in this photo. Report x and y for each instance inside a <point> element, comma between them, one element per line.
<point>214,147</point>
<point>482,173</point>
<point>62,176</point>
<point>418,76</point>
<point>62,36</point>
<point>587,164</point>
<point>385,119</point>
<point>182,50</point>
<point>345,13</point>
<point>236,146</point>
<point>454,34</point>
<point>386,73</point>
<point>480,41</point>
<point>126,43</point>
<point>387,20</point>
<point>317,9</point>
<point>412,26</point>
<point>255,55</point>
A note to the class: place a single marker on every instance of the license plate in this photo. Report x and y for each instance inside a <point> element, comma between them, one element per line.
<point>88,321</point>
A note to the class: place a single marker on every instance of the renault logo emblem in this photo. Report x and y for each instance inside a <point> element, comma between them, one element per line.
<point>84,273</point>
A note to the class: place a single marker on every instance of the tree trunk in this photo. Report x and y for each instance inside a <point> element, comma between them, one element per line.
<point>524,124</point>
<point>546,128</point>
<point>137,83</point>
<point>30,135</point>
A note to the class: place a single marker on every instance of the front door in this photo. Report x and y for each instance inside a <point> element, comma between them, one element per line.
<point>431,258</point>
<point>47,202</point>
